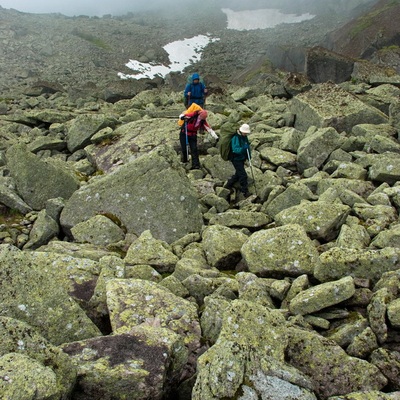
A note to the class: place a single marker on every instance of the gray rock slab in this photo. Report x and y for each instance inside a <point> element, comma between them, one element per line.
<point>339,109</point>
<point>285,250</point>
<point>151,193</point>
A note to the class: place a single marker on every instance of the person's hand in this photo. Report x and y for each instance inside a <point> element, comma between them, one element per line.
<point>189,94</point>
<point>213,134</point>
<point>246,146</point>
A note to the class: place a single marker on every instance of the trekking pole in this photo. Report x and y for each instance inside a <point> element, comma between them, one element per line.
<point>187,141</point>
<point>252,173</point>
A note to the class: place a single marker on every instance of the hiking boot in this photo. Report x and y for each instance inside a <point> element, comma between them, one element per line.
<point>195,167</point>
<point>228,186</point>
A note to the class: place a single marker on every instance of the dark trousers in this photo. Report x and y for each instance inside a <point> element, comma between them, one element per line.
<point>192,143</point>
<point>240,176</point>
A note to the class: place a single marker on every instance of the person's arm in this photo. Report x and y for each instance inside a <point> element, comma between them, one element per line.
<point>208,128</point>
<point>205,90</point>
<point>187,92</point>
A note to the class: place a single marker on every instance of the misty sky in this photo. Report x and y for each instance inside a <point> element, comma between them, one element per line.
<point>84,7</point>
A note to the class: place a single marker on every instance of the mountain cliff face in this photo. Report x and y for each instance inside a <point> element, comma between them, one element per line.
<point>365,35</point>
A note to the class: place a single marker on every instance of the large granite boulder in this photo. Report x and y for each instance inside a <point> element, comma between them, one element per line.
<point>285,250</point>
<point>144,364</point>
<point>134,301</point>
<point>83,127</point>
<point>151,193</point>
<point>316,147</point>
<point>39,180</point>
<point>29,293</point>
<point>339,109</point>
<point>318,358</point>
<point>36,368</point>
<point>248,357</point>
<point>322,220</point>
<point>370,264</point>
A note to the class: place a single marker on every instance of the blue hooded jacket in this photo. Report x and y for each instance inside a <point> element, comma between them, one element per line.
<point>197,91</point>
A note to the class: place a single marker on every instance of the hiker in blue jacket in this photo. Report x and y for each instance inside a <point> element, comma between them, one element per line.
<point>195,92</point>
<point>240,147</point>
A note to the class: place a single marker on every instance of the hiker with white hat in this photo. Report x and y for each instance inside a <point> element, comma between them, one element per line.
<point>240,147</point>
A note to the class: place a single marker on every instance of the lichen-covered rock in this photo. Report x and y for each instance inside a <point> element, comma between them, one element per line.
<point>353,236</point>
<point>389,237</point>
<point>316,147</point>
<point>367,395</point>
<point>25,378</point>
<point>254,289</point>
<point>321,220</point>
<point>20,339</point>
<point>158,198</point>
<point>212,200</point>
<point>385,168</point>
<point>360,187</point>
<point>286,250</point>
<point>187,266</point>
<point>388,361</point>
<point>9,198</point>
<point>248,356</point>
<point>38,180</point>
<point>143,364</point>
<point>98,230</point>
<point>133,301</point>
<point>349,170</point>
<point>278,157</point>
<point>30,293</point>
<point>199,286</point>
<point>319,358</point>
<point>154,252</point>
<point>339,110</point>
<point>393,313</point>
<point>322,296</point>
<point>212,317</point>
<point>377,311</point>
<point>339,262</point>
<point>111,267</point>
<point>132,140</point>
<point>172,283</point>
<point>343,333</point>
<point>78,250</point>
<point>241,219</point>
<point>223,246</point>
<point>83,127</point>
<point>363,344</point>
<point>290,197</point>
<point>375,218</point>
<point>44,229</point>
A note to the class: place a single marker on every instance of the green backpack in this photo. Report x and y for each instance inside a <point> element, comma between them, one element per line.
<point>227,131</point>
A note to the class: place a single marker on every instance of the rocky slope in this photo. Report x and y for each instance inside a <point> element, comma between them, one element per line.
<point>82,55</point>
<point>126,275</point>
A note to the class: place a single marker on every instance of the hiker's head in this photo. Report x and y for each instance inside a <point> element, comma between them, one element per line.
<point>195,77</point>
<point>203,114</point>
<point>244,129</point>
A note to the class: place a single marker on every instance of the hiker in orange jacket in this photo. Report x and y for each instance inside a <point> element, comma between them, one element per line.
<point>194,122</point>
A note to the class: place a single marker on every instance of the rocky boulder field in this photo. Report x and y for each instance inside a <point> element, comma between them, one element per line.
<point>127,275</point>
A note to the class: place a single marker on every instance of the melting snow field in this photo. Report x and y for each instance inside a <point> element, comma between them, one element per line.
<point>183,53</point>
